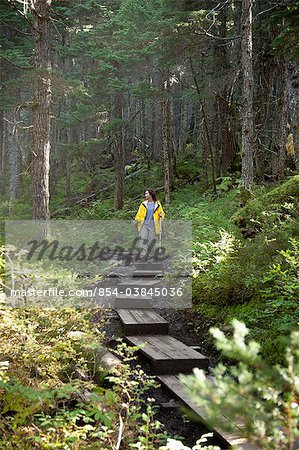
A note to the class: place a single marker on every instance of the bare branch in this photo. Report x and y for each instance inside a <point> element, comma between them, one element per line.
<point>14,5</point>
<point>215,10</point>
<point>263,12</point>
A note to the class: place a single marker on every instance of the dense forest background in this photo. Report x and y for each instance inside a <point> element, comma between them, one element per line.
<point>96,93</point>
<point>199,100</point>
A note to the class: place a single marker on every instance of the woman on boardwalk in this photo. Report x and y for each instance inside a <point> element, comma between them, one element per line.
<point>148,219</point>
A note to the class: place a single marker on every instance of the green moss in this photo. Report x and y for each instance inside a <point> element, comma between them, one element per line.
<point>285,189</point>
<point>266,209</point>
<point>211,313</point>
<point>245,196</point>
<point>233,287</point>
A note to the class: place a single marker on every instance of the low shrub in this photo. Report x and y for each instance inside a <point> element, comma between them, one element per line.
<point>263,397</point>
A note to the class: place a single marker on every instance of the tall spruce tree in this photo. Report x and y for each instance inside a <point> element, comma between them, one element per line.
<point>247,102</point>
<point>41,10</point>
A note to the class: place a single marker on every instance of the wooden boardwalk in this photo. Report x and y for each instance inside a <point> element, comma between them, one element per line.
<point>123,301</point>
<point>167,356</point>
<point>146,321</point>
<point>228,438</point>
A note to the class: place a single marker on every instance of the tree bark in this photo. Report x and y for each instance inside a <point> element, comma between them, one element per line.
<point>209,146</point>
<point>2,156</point>
<point>280,122</point>
<point>2,136</point>
<point>157,116</point>
<point>247,104</point>
<point>68,164</point>
<point>14,155</point>
<point>119,160</point>
<point>41,111</point>
<point>206,127</point>
<point>292,104</point>
<point>169,157</point>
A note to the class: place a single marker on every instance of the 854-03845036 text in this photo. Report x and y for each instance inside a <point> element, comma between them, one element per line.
<point>99,291</point>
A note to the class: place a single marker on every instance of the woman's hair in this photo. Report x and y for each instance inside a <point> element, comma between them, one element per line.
<point>153,194</point>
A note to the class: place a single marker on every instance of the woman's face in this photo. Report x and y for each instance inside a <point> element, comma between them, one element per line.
<point>147,195</point>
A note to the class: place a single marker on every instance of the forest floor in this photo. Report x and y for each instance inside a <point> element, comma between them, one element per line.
<point>243,253</point>
<point>183,325</point>
<point>237,246</point>
<point>245,263</point>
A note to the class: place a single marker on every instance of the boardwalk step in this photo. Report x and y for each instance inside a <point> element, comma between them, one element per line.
<point>138,283</point>
<point>140,322</point>
<point>138,302</point>
<point>148,266</point>
<point>132,296</point>
<point>147,273</point>
<point>167,355</point>
<point>228,438</point>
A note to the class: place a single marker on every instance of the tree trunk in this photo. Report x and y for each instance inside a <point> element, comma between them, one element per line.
<point>280,122</point>
<point>210,147</point>
<point>41,111</point>
<point>247,104</point>
<point>292,104</point>
<point>168,145</point>
<point>204,163</point>
<point>2,137</point>
<point>206,127</point>
<point>2,156</point>
<point>157,117</point>
<point>14,155</point>
<point>220,114</point>
<point>119,163</point>
<point>68,164</point>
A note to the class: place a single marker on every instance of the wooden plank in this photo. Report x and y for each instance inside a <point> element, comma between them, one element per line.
<point>132,303</point>
<point>148,266</point>
<point>139,297</point>
<point>140,322</point>
<point>147,273</point>
<point>145,282</point>
<point>135,316</point>
<point>167,355</point>
<point>138,287</point>
<point>233,438</point>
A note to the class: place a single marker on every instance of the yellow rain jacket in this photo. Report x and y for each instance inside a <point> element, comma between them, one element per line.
<point>140,216</point>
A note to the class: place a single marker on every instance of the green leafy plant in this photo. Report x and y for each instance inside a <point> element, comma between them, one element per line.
<point>224,184</point>
<point>173,444</point>
<point>131,384</point>
<point>264,398</point>
<point>280,289</point>
<point>205,255</point>
<point>43,401</point>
